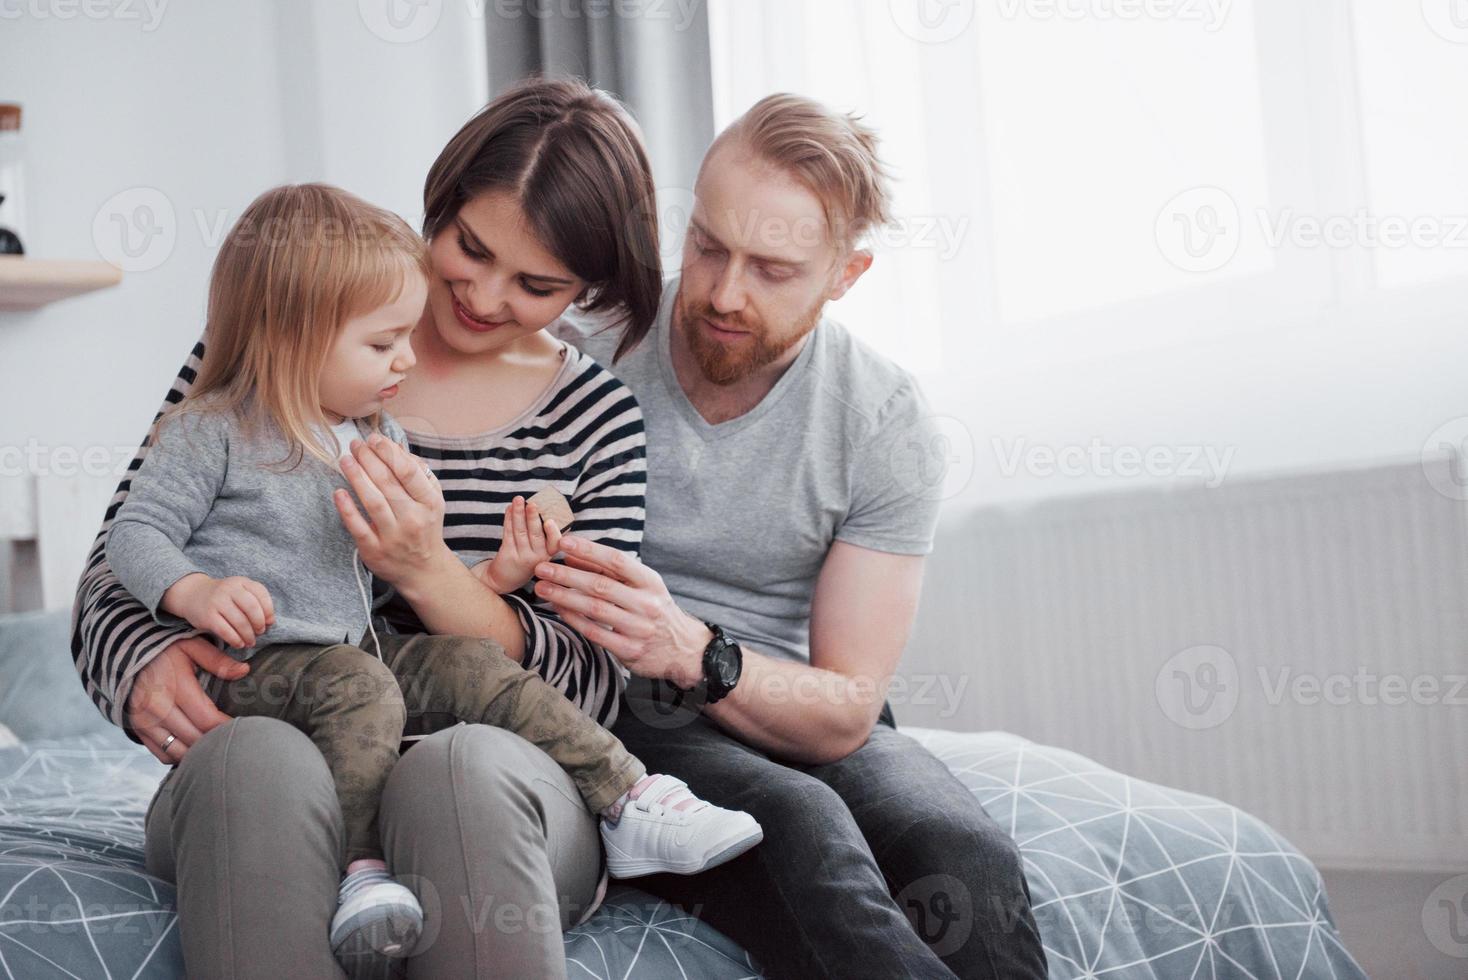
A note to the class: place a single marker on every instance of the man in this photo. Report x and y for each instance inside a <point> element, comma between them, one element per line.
<point>787,524</point>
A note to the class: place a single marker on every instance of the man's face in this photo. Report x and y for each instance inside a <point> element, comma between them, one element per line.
<point>759,266</point>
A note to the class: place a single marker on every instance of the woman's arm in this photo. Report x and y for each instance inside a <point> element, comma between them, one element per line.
<point>115,639</point>
<point>609,506</point>
<point>400,539</point>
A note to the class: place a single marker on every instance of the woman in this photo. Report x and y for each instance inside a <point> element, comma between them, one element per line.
<point>540,201</point>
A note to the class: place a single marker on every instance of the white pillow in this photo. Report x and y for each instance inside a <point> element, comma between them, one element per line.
<point>7,738</point>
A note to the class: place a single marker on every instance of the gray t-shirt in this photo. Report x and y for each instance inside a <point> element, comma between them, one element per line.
<point>741,515</point>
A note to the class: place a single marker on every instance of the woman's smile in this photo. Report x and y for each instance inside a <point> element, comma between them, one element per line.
<point>472,322</point>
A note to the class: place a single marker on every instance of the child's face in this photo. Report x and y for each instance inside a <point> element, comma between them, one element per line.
<point>371,354</point>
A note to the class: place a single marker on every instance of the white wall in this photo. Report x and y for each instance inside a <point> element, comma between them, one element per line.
<point>203,107</point>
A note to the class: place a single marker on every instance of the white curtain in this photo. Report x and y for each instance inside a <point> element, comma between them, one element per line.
<point>1163,226</point>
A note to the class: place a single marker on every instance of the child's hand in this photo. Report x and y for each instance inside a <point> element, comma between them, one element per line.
<point>235,609</point>
<point>528,540</point>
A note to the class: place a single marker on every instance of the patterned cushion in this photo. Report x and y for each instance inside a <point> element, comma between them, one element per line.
<point>1128,879</point>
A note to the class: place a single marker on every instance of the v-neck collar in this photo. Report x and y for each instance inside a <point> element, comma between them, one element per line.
<point>707,430</point>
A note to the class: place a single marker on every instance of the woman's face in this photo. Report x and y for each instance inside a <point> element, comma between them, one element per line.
<point>494,282</point>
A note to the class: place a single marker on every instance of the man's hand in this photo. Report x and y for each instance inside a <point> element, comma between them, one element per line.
<point>620,604</point>
<point>235,609</point>
<point>167,698</point>
<point>528,539</point>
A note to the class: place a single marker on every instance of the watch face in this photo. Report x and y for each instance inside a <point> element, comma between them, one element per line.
<point>727,665</point>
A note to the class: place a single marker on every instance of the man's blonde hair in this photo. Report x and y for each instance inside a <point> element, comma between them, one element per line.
<point>301,261</point>
<point>833,154</point>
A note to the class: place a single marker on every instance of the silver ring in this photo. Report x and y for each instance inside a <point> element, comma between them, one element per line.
<point>168,741</point>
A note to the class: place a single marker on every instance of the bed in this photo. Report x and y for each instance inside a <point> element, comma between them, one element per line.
<point>1128,879</point>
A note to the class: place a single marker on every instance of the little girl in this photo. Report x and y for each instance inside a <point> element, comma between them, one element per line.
<point>230,526</point>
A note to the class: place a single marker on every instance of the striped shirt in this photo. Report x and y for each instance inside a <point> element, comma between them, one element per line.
<point>584,436</point>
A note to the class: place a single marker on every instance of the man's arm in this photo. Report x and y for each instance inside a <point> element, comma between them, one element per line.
<point>864,605</point>
<point>862,612</point>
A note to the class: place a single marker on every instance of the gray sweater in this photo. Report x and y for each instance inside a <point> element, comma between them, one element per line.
<point>203,501</point>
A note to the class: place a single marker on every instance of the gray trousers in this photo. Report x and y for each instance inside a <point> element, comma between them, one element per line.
<point>356,708</point>
<point>488,832</point>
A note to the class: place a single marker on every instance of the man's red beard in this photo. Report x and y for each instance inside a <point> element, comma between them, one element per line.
<point>725,364</point>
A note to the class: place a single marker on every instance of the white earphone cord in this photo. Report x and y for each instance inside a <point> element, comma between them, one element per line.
<point>366,600</point>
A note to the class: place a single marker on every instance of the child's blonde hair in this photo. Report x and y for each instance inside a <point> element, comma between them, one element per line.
<point>301,261</point>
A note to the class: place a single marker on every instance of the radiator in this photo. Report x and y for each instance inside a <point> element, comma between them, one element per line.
<point>1237,641</point>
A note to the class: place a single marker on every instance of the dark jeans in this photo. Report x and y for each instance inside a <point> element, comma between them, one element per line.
<point>880,865</point>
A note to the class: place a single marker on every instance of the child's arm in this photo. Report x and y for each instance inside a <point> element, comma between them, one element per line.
<point>171,494</point>
<point>528,539</point>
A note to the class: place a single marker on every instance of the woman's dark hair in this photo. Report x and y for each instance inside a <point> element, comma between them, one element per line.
<point>575,159</point>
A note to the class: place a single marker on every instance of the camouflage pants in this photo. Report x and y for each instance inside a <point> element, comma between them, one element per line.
<point>356,709</point>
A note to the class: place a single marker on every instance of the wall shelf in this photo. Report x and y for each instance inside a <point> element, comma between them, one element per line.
<point>29,284</point>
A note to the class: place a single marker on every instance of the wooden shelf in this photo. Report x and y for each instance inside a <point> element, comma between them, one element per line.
<point>29,284</point>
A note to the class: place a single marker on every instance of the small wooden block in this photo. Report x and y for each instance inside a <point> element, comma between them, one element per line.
<point>553,504</point>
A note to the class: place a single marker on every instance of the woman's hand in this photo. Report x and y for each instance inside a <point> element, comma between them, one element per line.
<point>402,535</point>
<point>527,540</point>
<point>167,698</point>
<point>620,604</point>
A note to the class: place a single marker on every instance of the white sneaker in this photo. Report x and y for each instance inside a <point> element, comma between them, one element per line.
<point>665,828</point>
<point>377,917</point>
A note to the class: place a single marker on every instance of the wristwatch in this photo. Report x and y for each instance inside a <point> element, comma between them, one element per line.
<point>723,662</point>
